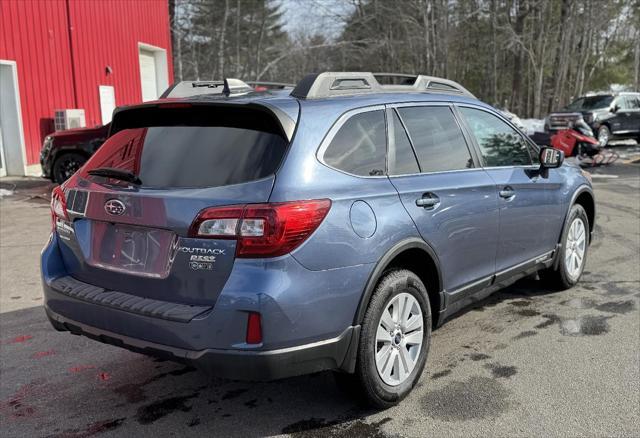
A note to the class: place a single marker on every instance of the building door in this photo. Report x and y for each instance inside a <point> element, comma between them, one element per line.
<point>107,102</point>
<point>12,157</point>
<point>148,75</point>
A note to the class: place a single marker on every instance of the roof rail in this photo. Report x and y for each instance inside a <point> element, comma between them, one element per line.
<point>330,84</point>
<point>271,85</point>
<point>195,88</point>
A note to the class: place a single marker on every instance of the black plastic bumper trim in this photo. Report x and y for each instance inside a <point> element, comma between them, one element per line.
<point>129,303</point>
<point>256,365</point>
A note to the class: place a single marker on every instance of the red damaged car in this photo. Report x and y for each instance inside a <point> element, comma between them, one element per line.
<point>64,152</point>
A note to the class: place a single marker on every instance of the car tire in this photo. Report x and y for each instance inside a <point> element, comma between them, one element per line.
<point>66,165</point>
<point>604,135</point>
<point>398,292</point>
<point>572,256</point>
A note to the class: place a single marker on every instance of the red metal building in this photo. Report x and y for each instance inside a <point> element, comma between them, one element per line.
<point>75,54</point>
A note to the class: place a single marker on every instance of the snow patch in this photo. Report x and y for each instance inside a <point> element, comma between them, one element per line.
<point>533,125</point>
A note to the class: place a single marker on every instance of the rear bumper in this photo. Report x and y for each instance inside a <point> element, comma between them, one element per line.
<point>305,329</point>
<point>336,353</point>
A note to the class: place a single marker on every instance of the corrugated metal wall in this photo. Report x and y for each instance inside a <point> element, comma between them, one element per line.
<point>53,41</point>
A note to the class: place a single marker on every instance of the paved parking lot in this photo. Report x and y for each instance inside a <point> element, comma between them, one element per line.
<point>525,362</point>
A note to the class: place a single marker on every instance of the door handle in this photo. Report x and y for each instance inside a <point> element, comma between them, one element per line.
<point>507,193</point>
<point>428,201</point>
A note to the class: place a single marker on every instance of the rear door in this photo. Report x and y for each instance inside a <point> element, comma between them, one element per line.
<point>135,237</point>
<point>618,121</point>
<point>450,198</point>
<point>631,114</point>
<point>530,216</point>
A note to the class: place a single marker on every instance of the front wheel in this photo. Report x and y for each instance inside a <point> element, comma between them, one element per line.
<point>604,135</point>
<point>394,341</point>
<point>573,252</point>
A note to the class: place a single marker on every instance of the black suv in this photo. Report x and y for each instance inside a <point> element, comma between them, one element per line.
<point>613,115</point>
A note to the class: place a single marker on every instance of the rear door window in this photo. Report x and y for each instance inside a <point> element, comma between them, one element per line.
<point>191,156</point>
<point>437,138</point>
<point>360,145</point>
<point>633,102</point>
<point>624,103</point>
<point>500,144</point>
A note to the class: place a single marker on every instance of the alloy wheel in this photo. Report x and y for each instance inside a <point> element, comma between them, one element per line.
<point>399,339</point>
<point>576,248</point>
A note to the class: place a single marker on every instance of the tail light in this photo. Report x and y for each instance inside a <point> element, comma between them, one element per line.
<point>58,206</point>
<point>262,230</point>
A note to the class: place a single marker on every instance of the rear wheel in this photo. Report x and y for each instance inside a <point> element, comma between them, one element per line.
<point>604,135</point>
<point>394,340</point>
<point>66,165</point>
<point>573,252</point>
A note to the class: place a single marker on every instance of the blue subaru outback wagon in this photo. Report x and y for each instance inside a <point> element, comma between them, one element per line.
<point>262,235</point>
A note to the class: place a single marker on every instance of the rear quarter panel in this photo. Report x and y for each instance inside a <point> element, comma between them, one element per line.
<point>335,243</point>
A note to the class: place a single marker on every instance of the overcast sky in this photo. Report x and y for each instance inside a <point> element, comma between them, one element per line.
<point>315,16</point>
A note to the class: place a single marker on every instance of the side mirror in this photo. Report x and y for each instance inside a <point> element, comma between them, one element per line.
<point>614,109</point>
<point>551,158</point>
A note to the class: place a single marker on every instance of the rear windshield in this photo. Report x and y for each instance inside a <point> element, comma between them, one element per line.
<point>591,102</point>
<point>190,156</point>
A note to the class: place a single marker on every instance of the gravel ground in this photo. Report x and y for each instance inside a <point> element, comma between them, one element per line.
<point>524,362</point>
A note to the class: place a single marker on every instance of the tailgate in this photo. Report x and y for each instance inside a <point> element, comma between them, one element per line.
<point>133,237</point>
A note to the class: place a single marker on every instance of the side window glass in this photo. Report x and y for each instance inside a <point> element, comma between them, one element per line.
<point>360,146</point>
<point>402,160</point>
<point>621,103</point>
<point>500,144</point>
<point>632,102</point>
<point>437,138</point>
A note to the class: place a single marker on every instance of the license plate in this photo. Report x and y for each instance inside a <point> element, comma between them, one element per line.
<point>147,252</point>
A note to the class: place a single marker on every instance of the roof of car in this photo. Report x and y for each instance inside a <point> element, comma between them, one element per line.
<point>283,99</point>
<point>610,94</point>
<point>325,94</point>
<point>344,90</point>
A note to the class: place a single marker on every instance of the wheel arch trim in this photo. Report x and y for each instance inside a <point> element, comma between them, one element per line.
<point>580,190</point>
<point>383,263</point>
<point>574,198</point>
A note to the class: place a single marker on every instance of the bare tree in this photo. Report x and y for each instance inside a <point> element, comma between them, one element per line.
<point>528,55</point>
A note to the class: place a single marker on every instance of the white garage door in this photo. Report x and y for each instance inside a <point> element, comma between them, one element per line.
<point>148,76</point>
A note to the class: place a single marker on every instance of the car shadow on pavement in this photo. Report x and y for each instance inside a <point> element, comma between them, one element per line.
<point>525,288</point>
<point>57,384</point>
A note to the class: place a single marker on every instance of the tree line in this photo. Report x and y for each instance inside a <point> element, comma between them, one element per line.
<point>530,56</point>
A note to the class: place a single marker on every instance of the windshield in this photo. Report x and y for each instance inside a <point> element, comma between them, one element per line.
<point>589,103</point>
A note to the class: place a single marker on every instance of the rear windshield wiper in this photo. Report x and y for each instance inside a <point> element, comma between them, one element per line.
<point>111,172</point>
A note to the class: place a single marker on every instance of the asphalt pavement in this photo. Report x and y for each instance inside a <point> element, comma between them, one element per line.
<point>527,361</point>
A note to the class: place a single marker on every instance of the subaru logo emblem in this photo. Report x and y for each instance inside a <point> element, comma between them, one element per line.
<point>114,207</point>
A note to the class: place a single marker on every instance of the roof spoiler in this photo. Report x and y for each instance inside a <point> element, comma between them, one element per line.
<point>226,87</point>
<point>330,84</point>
